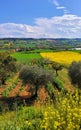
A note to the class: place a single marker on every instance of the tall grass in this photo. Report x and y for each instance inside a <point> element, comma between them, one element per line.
<point>64,114</point>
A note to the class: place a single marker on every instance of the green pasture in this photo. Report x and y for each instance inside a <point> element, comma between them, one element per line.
<point>25,58</point>
<point>41,50</point>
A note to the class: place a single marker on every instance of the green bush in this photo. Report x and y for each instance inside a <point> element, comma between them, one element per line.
<point>75,73</point>
<point>58,84</point>
<point>50,90</point>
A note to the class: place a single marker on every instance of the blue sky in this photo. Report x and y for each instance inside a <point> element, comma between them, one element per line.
<point>40,18</point>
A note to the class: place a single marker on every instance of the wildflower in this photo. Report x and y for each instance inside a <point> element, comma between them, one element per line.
<point>56,124</point>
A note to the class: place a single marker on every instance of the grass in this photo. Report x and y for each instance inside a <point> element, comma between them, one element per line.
<point>41,50</point>
<point>64,114</point>
<point>25,58</point>
<point>63,76</point>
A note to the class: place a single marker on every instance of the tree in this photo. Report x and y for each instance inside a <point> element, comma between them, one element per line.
<point>42,62</point>
<point>57,67</point>
<point>36,76</point>
<point>7,66</point>
<point>75,73</point>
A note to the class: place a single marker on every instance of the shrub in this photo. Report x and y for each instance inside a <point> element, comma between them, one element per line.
<point>75,73</point>
<point>58,84</point>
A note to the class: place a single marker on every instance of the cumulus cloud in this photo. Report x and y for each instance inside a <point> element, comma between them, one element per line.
<point>66,26</point>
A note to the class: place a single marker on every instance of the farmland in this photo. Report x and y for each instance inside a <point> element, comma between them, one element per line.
<point>20,111</point>
<point>15,87</point>
<point>25,58</point>
<point>63,57</point>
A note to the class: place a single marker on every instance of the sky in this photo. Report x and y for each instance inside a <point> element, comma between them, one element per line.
<point>40,18</point>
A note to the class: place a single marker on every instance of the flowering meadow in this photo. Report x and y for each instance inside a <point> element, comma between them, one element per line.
<point>63,57</point>
<point>63,114</point>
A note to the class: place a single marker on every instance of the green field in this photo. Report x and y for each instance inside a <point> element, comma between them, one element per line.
<point>26,58</point>
<point>41,50</point>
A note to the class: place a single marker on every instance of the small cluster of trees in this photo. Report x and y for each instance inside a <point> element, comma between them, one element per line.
<point>44,62</point>
<point>39,73</point>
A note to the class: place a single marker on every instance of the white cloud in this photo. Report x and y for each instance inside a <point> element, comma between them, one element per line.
<point>59,7</point>
<point>66,26</point>
<point>55,2</point>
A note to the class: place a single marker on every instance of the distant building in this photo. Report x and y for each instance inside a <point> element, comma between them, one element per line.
<point>75,48</point>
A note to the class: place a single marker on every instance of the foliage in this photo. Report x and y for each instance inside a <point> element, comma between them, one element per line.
<point>65,114</point>
<point>29,44</point>
<point>75,73</point>
<point>57,67</point>
<point>7,66</point>
<point>41,62</point>
<point>50,90</point>
<point>58,84</point>
<point>36,76</point>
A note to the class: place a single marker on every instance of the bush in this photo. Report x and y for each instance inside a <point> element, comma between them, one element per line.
<point>58,84</point>
<point>50,89</point>
<point>75,73</point>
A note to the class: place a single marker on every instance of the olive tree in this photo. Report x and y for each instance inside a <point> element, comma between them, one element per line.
<point>57,67</point>
<point>36,76</point>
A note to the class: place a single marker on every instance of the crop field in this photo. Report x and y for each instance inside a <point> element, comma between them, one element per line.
<point>26,58</point>
<point>64,57</point>
<point>14,88</point>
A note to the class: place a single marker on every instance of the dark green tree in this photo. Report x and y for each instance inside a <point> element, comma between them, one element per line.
<point>36,76</point>
<point>7,66</point>
<point>75,73</point>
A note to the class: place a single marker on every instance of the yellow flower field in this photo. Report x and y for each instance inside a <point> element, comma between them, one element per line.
<point>64,57</point>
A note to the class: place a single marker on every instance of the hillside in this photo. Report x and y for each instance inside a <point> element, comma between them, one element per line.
<point>29,43</point>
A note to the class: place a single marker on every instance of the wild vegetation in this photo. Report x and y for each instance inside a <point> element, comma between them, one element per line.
<point>7,65</point>
<point>64,114</point>
<point>39,89</point>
